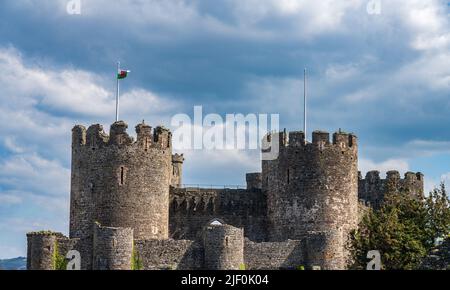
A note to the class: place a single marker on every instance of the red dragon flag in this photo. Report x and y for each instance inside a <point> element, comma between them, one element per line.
<point>121,74</point>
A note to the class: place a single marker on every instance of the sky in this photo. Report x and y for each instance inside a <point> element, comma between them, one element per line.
<point>383,74</point>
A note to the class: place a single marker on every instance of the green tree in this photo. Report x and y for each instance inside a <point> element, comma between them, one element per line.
<point>403,230</point>
<point>438,204</point>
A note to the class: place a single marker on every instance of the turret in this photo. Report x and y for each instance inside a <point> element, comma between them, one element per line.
<point>120,182</point>
<point>177,170</point>
<point>41,250</point>
<point>224,247</point>
<point>312,187</point>
<point>113,248</point>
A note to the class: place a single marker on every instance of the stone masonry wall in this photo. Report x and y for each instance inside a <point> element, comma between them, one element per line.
<point>192,208</point>
<point>170,254</point>
<point>273,255</point>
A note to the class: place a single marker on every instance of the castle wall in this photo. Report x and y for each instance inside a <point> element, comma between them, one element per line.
<point>170,254</point>
<point>312,186</point>
<point>372,188</point>
<point>304,202</point>
<point>192,208</point>
<point>273,255</point>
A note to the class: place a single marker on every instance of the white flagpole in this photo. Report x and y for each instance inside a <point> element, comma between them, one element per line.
<point>118,92</point>
<point>304,104</point>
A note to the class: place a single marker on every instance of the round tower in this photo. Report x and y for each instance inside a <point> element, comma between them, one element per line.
<point>119,182</point>
<point>224,247</point>
<point>41,250</point>
<point>312,187</point>
<point>113,248</point>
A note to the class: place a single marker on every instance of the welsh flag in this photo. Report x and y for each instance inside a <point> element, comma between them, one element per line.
<point>121,74</point>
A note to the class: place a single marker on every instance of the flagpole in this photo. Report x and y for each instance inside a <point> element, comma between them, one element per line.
<point>117,92</point>
<point>304,104</point>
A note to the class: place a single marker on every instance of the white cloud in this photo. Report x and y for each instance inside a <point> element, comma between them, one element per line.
<point>427,147</point>
<point>11,145</point>
<point>304,18</point>
<point>223,159</point>
<point>31,172</point>
<point>68,90</point>
<point>9,199</point>
<point>428,19</point>
<point>219,167</point>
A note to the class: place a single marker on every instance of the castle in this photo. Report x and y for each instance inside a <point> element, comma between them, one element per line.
<point>127,203</point>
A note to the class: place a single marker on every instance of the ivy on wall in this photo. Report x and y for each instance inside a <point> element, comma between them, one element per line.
<point>136,262</point>
<point>59,262</point>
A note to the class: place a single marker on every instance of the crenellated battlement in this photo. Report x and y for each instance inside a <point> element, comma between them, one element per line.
<point>45,234</point>
<point>393,175</point>
<point>96,138</point>
<point>200,201</point>
<point>320,139</point>
<point>373,188</point>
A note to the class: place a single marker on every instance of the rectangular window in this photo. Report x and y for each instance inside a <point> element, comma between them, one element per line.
<point>122,175</point>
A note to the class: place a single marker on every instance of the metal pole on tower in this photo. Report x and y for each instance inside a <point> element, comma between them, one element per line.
<point>117,92</point>
<point>304,104</point>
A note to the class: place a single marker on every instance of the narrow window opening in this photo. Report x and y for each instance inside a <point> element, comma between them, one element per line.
<point>226,241</point>
<point>93,143</point>
<point>122,175</point>
<point>288,177</point>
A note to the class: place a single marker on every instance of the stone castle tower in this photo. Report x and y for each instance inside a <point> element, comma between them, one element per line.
<point>312,191</point>
<point>119,182</point>
<point>128,203</point>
